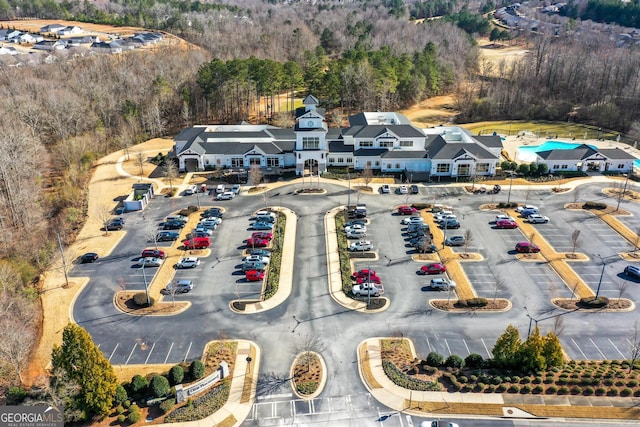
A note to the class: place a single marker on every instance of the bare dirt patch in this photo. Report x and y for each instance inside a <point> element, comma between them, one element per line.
<point>307,373</point>
<point>432,112</point>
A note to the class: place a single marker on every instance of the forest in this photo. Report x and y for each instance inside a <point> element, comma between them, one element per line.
<point>58,118</point>
<point>626,14</point>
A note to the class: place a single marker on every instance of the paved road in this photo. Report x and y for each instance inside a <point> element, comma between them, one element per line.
<point>311,312</point>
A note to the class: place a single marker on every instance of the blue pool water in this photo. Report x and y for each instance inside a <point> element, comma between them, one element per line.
<point>636,163</point>
<point>527,152</point>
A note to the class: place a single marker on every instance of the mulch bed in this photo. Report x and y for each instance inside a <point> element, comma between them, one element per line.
<point>574,304</point>
<point>455,305</point>
<point>307,371</point>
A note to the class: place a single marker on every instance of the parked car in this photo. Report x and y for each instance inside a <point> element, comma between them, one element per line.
<point>254,275</point>
<point>153,253</point>
<point>247,266</point>
<point>262,235</point>
<point>443,218</point>
<point>403,189</point>
<point>89,257</point>
<point>506,223</point>
<point>519,209</point>
<point>364,273</point>
<point>537,219</point>
<point>167,236</point>
<point>192,189</point>
<point>356,234</point>
<point>433,268</point>
<point>235,189</point>
<point>256,258</point>
<point>407,210</point>
<point>452,224</point>
<point>528,212</point>
<point>179,287</point>
<point>418,227</point>
<point>355,222</point>
<point>385,189</point>
<point>262,226</point>
<point>455,241</point>
<point>270,214</point>
<point>355,227</point>
<point>172,225</point>
<point>415,219</point>
<point>362,245</point>
<point>439,215</point>
<point>114,224</point>
<point>633,271</point>
<point>180,218</point>
<point>371,279</point>
<point>202,231</point>
<point>414,189</point>
<point>197,243</point>
<point>211,219</point>
<point>425,248</point>
<point>262,252</point>
<point>366,289</point>
<point>526,248</point>
<point>189,262</point>
<point>500,217</point>
<point>441,283</point>
<point>149,262</point>
<point>216,212</point>
<point>257,243</point>
<point>227,195</point>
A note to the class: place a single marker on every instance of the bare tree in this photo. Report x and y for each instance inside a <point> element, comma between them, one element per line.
<point>622,288</point>
<point>468,239</point>
<point>255,175</point>
<point>307,345</point>
<point>152,235</point>
<point>531,236</point>
<point>634,346</point>
<point>103,213</point>
<point>170,172</point>
<point>575,240</point>
<point>498,286</point>
<point>636,241</point>
<point>139,156</point>
<point>367,175</point>
<point>558,325</point>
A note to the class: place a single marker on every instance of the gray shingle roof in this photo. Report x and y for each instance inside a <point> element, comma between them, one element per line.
<point>402,131</point>
<point>440,149</point>
<point>405,154</point>
<point>370,152</point>
<point>490,140</point>
<point>339,147</point>
<point>616,154</point>
<point>578,153</point>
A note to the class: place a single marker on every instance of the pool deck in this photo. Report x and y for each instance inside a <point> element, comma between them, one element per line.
<point>511,144</point>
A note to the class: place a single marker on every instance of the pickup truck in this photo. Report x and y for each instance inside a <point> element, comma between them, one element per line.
<point>365,289</point>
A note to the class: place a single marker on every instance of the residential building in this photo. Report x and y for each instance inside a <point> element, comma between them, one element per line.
<point>586,158</point>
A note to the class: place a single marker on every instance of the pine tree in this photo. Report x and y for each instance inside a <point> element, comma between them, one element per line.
<point>530,358</point>
<point>506,349</point>
<point>552,350</point>
<point>80,361</point>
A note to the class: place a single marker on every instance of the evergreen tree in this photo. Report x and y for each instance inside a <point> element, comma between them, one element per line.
<point>79,360</point>
<point>552,350</point>
<point>506,349</point>
<point>529,357</point>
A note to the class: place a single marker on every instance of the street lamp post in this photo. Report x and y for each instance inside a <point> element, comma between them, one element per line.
<point>624,190</point>
<point>349,190</point>
<point>146,287</point>
<point>531,320</point>
<point>510,185</point>
<point>197,193</point>
<point>604,264</point>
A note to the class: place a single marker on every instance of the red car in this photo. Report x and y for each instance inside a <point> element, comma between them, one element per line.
<point>506,223</point>
<point>433,268</point>
<point>369,279</point>
<point>257,242</point>
<point>407,210</point>
<point>526,248</point>
<point>254,275</point>
<point>262,235</point>
<point>364,274</point>
<point>153,253</point>
<point>197,243</point>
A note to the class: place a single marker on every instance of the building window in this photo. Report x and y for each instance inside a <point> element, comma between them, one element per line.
<point>397,165</point>
<point>333,160</point>
<point>443,168</point>
<point>340,160</point>
<point>406,143</point>
<point>620,166</point>
<point>237,162</point>
<point>368,163</point>
<point>386,144</point>
<point>254,161</point>
<point>273,162</point>
<point>377,164</point>
<point>564,167</point>
<point>482,167</point>
<point>366,143</point>
<point>310,143</point>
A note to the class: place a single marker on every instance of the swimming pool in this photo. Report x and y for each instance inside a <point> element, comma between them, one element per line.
<point>526,153</point>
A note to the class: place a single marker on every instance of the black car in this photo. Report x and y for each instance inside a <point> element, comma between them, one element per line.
<point>173,225</point>
<point>115,224</point>
<point>414,189</point>
<point>88,257</point>
<point>167,236</point>
<point>451,224</point>
<point>216,212</point>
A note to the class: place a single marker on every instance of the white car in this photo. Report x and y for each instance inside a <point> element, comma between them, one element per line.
<point>537,219</point>
<point>355,227</point>
<point>356,234</point>
<point>189,262</point>
<point>446,218</point>
<point>403,189</point>
<point>438,216</point>
<point>149,262</point>
<point>192,189</point>
<point>362,245</point>
<point>227,195</point>
<point>440,283</point>
<point>412,220</point>
<point>215,219</point>
<point>257,258</point>
<point>385,189</point>
<point>505,217</point>
<point>365,289</point>
<point>519,209</point>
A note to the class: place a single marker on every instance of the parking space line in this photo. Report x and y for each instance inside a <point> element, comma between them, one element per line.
<point>113,352</point>
<point>579,349</point>
<point>598,348</point>
<point>187,354</point>
<point>149,355</point>
<point>616,347</point>
<point>485,347</point>
<point>448,348</point>
<point>168,353</point>
<point>429,344</point>
<point>131,354</point>
<point>467,347</point>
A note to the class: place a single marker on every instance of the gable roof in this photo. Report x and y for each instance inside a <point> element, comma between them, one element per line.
<point>374,131</point>
<point>438,148</point>
<point>581,152</point>
<point>616,154</point>
<point>310,100</point>
<point>406,154</point>
<point>493,141</point>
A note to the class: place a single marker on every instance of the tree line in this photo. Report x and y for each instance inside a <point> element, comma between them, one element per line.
<point>624,13</point>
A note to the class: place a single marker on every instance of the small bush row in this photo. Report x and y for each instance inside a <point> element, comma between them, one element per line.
<point>405,381</point>
<point>203,406</point>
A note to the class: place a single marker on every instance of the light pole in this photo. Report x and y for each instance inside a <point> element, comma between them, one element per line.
<point>604,264</point>
<point>146,288</point>
<point>349,191</point>
<point>510,185</point>
<point>531,320</point>
<point>624,190</point>
<point>197,193</point>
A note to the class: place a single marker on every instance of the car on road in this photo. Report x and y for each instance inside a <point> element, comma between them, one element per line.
<point>442,284</point>
<point>254,275</point>
<point>197,243</point>
<point>149,262</point>
<point>192,189</point>
<point>414,219</point>
<point>506,223</point>
<point>167,236</point>
<point>362,245</point>
<point>520,209</point>
<point>414,189</point>
<point>89,257</point>
<point>500,217</point>
<point>407,210</point>
<point>114,224</point>
<point>537,219</point>
<point>172,225</point>
<point>153,253</point>
<point>633,271</point>
<point>227,195</point>
<point>235,189</point>
<point>451,224</point>
<point>189,262</point>
<point>256,258</point>
<point>368,289</point>
<point>262,235</point>
<point>433,268</point>
<point>262,226</point>
<point>402,189</point>
<point>385,189</point>
<point>356,234</point>
<point>257,243</point>
<point>179,287</point>
<point>527,248</point>
<point>455,241</point>
<point>355,227</point>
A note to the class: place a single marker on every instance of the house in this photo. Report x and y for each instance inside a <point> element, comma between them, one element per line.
<point>9,35</point>
<point>586,158</point>
<point>70,30</point>
<point>8,50</point>
<point>29,38</point>
<point>78,41</point>
<point>52,28</point>
<point>106,47</point>
<point>147,38</point>
<point>50,45</point>
<point>382,141</point>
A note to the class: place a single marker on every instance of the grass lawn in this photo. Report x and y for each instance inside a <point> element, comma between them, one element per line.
<point>541,129</point>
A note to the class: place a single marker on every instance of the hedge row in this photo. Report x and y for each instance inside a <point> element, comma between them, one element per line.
<point>405,381</point>
<point>273,278</point>
<point>202,406</point>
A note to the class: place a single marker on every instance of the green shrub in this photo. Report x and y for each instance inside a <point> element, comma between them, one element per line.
<point>121,395</point>
<point>196,369</point>
<point>619,383</point>
<point>16,395</point>
<point>159,386</point>
<point>307,387</point>
<point>454,361</point>
<point>134,407</point>
<point>552,389</point>
<point>562,381</point>
<point>120,409</point>
<point>201,406</point>
<point>515,379</point>
<point>497,380</point>
<point>435,359</point>
<point>429,370</point>
<point>608,381</point>
<point>588,391</point>
<point>563,390</point>
<point>626,392</point>
<point>537,380</point>
<point>473,361</point>
<point>632,383</point>
<point>613,391</point>
<point>167,405</point>
<point>139,386</point>
<point>463,379</point>
<point>537,389</point>
<point>479,387</point>
<point>515,388</point>
<point>590,302</point>
<point>525,380</point>
<point>490,388</point>
<point>526,389</point>
<point>140,299</point>
<point>473,378</point>
<point>501,388</point>
<point>600,391</point>
<point>506,379</point>
<point>594,205</point>
<point>121,418</point>
<point>134,417</point>
<point>176,375</point>
<point>401,379</point>
<point>474,302</point>
<point>127,403</point>
<point>576,390</point>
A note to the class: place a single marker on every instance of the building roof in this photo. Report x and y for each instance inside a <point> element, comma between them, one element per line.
<point>581,152</point>
<point>406,154</point>
<point>339,147</point>
<point>440,149</point>
<point>370,152</point>
<point>493,141</point>
<point>616,154</point>
<point>374,131</point>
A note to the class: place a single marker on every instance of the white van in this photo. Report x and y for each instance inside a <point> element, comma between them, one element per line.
<point>220,189</point>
